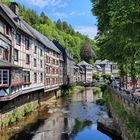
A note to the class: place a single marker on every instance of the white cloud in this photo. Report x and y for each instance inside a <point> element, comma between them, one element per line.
<point>58,15</point>
<point>66,15</point>
<point>90,31</point>
<point>62,5</point>
<point>73,13</point>
<point>50,3</point>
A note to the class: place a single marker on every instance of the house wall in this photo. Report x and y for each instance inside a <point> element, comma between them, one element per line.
<point>52,64</point>
<point>88,75</point>
<point>29,67</point>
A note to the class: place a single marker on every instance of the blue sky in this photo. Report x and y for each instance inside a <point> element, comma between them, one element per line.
<point>75,12</point>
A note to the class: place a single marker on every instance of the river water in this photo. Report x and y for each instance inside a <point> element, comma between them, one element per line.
<point>69,118</point>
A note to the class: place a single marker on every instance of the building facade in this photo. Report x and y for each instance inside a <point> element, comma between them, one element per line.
<point>25,55</point>
<point>68,65</point>
<point>108,67</point>
<point>88,71</point>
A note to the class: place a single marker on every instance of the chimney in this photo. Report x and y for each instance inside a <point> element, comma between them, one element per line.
<point>14,7</point>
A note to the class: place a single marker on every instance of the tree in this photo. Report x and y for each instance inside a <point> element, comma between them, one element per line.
<point>42,14</point>
<point>119,30</point>
<point>59,24</point>
<point>7,2</point>
<point>86,52</point>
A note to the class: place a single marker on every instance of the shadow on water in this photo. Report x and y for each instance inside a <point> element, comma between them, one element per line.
<point>69,118</point>
<point>27,133</point>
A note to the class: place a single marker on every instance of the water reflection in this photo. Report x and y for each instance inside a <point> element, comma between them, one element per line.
<point>70,118</point>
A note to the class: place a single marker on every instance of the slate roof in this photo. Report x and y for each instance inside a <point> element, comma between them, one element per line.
<point>62,49</point>
<point>85,64</point>
<point>102,62</point>
<point>25,27</point>
<point>41,38</point>
<point>15,19</point>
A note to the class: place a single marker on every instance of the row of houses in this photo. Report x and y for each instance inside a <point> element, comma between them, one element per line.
<point>29,61</point>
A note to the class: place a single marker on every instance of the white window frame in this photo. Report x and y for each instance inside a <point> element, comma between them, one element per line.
<point>1,72</point>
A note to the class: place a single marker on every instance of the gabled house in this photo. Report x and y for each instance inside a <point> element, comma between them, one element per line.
<point>29,61</point>
<point>108,67</point>
<point>88,71</point>
<point>68,71</point>
<point>97,69</point>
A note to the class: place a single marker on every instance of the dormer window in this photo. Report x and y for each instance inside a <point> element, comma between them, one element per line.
<point>18,38</point>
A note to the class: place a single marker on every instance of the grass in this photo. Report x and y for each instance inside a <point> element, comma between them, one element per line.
<point>72,90</point>
<point>16,115</point>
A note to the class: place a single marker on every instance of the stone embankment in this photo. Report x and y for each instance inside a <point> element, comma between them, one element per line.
<point>106,124</point>
<point>125,110</point>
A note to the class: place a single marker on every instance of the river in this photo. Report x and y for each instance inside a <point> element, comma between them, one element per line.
<point>69,118</point>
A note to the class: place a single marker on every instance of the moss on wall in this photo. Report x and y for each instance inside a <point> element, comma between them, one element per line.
<point>127,120</point>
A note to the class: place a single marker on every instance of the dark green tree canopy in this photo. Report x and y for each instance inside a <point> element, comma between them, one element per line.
<point>87,52</point>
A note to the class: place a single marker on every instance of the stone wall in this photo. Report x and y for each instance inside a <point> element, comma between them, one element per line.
<point>22,105</point>
<point>129,106</point>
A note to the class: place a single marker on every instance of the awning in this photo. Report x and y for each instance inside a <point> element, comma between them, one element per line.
<point>4,44</point>
<point>4,64</point>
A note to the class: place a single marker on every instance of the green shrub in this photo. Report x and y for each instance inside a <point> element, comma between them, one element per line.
<point>27,109</point>
<point>96,76</point>
<point>96,90</point>
<point>103,87</point>
<point>106,76</point>
<point>101,101</point>
<point>5,122</point>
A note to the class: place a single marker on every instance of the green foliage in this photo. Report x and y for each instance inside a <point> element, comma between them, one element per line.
<point>106,76</point>
<point>129,121</point>
<point>101,101</point>
<point>60,31</point>
<point>86,52</point>
<point>7,2</point>
<point>80,125</point>
<point>76,89</point>
<point>96,90</point>
<point>72,90</point>
<point>103,87</point>
<point>119,32</point>
<point>96,76</point>
<point>5,122</point>
<point>27,108</point>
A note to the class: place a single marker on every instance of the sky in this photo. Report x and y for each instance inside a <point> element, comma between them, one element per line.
<point>75,12</point>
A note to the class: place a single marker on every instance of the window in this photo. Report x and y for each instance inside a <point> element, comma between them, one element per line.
<point>18,38</point>
<point>3,54</point>
<point>27,59</point>
<point>4,76</point>
<point>114,67</point>
<point>35,49</point>
<point>6,29</point>
<point>26,76</point>
<point>41,52</point>
<point>35,77</point>
<point>27,43</point>
<point>41,77</point>
<point>16,55</point>
<point>35,62</point>
<point>41,63</point>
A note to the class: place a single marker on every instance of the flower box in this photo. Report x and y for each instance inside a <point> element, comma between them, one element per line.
<point>4,85</point>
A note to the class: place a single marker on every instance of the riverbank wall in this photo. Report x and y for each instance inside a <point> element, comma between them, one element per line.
<point>19,107</point>
<point>15,109</point>
<point>125,113</point>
